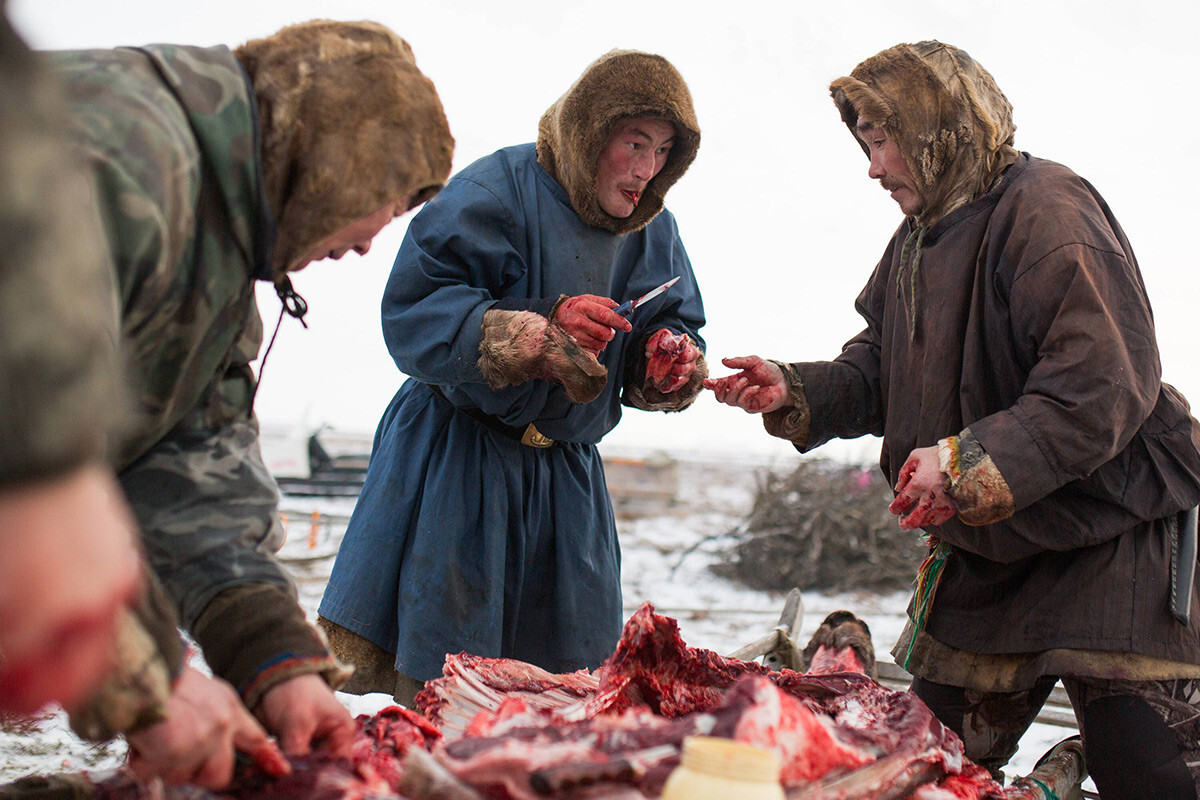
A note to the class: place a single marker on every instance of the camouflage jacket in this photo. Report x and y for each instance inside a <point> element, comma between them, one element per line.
<point>59,392</point>
<point>169,136</point>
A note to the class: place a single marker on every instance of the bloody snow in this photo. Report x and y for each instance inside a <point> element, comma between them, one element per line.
<point>619,733</point>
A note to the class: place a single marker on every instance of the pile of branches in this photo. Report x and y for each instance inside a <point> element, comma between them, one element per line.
<point>824,527</point>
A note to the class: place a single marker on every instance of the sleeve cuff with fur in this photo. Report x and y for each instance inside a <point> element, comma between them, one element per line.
<point>973,482</point>
<point>647,397</point>
<point>135,694</point>
<point>157,616</point>
<point>520,346</point>
<point>792,421</point>
<point>255,636</point>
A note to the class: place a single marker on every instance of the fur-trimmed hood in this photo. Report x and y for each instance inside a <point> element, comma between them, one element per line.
<point>953,124</point>
<point>573,132</point>
<point>348,124</point>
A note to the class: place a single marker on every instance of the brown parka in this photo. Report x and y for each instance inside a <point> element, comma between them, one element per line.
<point>1012,310</point>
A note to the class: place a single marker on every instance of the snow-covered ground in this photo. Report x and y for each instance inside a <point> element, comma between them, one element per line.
<point>661,564</point>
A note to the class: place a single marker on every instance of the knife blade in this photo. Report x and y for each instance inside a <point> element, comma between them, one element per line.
<point>626,308</point>
<point>1183,564</point>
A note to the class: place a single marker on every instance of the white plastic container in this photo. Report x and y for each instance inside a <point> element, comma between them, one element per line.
<point>713,768</point>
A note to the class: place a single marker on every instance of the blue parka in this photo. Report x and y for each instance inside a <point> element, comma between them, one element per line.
<point>463,538</point>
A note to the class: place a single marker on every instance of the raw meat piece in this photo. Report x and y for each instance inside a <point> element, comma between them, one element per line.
<point>383,739</point>
<point>889,778</point>
<point>532,751</point>
<point>809,745</point>
<point>878,717</point>
<point>652,666</point>
<point>470,684</point>
<point>529,755</point>
<point>652,670</point>
<point>973,783</point>
<point>374,770</point>
<point>842,643</point>
<point>668,348</point>
<point>312,778</point>
<point>826,660</point>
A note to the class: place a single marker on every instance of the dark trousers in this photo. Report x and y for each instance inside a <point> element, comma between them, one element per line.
<point>1141,739</point>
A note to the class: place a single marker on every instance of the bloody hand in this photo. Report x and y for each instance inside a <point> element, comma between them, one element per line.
<point>759,388</point>
<point>670,360</point>
<point>922,498</point>
<point>591,321</point>
<point>205,723</point>
<point>304,714</point>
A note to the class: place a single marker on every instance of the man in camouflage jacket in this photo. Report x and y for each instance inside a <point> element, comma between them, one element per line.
<point>213,169</point>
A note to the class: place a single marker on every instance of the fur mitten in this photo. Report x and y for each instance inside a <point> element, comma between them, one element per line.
<point>520,346</point>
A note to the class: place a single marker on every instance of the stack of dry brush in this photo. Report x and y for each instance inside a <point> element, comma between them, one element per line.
<point>824,527</point>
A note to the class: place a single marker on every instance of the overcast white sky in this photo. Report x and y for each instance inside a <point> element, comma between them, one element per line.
<point>780,220</point>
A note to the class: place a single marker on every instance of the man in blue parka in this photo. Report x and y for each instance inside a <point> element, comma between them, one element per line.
<point>485,523</point>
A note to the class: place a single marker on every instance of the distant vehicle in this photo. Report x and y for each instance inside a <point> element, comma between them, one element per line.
<point>305,466</point>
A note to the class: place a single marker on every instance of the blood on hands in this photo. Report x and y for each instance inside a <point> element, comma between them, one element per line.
<point>921,499</point>
<point>670,360</point>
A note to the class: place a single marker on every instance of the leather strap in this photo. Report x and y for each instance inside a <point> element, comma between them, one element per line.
<point>529,435</point>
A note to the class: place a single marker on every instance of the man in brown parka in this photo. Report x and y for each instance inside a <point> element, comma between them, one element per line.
<point>1009,362</point>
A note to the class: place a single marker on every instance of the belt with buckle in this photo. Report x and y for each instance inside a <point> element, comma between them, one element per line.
<point>528,435</point>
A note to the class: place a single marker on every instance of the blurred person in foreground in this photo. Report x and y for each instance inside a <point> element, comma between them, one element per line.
<point>484,524</point>
<point>68,563</point>
<point>212,169</point>
<point>1009,361</point>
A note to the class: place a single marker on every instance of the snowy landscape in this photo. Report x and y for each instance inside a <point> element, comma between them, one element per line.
<point>781,223</point>
<point>661,563</point>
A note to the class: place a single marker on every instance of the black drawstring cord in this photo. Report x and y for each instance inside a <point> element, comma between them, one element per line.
<point>295,306</point>
<point>293,303</point>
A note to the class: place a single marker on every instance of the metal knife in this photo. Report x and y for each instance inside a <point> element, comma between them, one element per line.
<point>626,308</point>
<point>1183,564</point>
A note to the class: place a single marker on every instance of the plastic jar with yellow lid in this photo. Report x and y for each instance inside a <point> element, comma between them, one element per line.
<point>721,769</point>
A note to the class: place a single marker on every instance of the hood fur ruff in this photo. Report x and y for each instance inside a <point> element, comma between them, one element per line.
<point>573,132</point>
<point>348,123</point>
<point>953,124</point>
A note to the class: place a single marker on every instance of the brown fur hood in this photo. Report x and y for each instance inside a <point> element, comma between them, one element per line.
<point>573,132</point>
<point>953,124</point>
<point>348,125</point>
